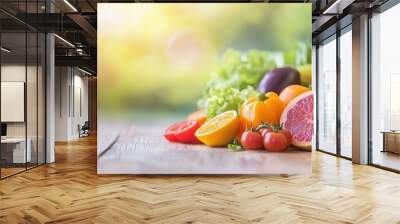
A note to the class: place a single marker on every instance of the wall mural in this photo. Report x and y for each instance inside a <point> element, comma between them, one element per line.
<point>204,88</point>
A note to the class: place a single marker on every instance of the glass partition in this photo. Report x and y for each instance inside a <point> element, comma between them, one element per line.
<point>32,95</point>
<point>14,153</point>
<point>23,91</point>
<point>327,96</point>
<point>32,86</point>
<point>41,109</point>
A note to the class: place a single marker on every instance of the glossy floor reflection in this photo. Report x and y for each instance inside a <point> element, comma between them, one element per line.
<point>387,159</point>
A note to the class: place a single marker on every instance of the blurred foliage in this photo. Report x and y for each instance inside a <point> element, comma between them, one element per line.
<point>236,80</point>
<point>162,56</point>
<point>299,55</point>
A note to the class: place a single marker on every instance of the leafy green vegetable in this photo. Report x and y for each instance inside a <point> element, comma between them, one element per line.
<point>219,100</point>
<point>235,81</point>
<point>235,146</point>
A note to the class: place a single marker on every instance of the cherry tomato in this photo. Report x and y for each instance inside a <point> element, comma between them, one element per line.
<point>275,142</point>
<point>251,140</point>
<point>264,131</point>
<point>288,136</point>
<point>185,132</point>
<point>170,133</point>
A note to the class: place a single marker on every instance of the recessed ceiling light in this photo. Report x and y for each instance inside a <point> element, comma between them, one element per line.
<point>70,5</point>
<point>338,6</point>
<point>64,40</point>
<point>84,71</point>
<point>5,50</point>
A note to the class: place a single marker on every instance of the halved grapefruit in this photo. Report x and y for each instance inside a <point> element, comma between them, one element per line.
<point>298,119</point>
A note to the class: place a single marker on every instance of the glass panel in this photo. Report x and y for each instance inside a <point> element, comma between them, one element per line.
<point>346,94</point>
<point>13,89</point>
<point>41,99</point>
<point>327,97</point>
<point>23,91</point>
<point>31,98</point>
<point>32,88</point>
<point>385,84</point>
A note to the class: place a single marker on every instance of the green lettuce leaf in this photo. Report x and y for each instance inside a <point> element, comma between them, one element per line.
<point>235,81</point>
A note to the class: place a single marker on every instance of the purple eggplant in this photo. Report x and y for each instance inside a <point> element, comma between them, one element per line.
<point>278,79</point>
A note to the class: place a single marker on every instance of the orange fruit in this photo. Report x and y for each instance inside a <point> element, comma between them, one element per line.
<point>199,116</point>
<point>291,92</point>
<point>220,130</point>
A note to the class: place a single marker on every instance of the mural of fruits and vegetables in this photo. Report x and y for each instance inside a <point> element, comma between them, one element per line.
<point>204,88</point>
<point>270,108</point>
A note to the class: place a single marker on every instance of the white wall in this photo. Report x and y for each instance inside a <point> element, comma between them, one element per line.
<point>71,102</point>
<point>12,73</point>
<point>62,82</point>
<point>81,83</point>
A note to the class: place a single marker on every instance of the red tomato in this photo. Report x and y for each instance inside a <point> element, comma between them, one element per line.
<point>183,132</point>
<point>251,140</point>
<point>275,142</point>
<point>288,136</point>
<point>264,131</point>
<point>170,133</point>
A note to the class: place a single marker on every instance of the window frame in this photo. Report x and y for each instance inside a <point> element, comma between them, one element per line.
<point>334,37</point>
<point>381,9</point>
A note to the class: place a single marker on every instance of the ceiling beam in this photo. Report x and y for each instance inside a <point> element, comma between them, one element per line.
<point>337,6</point>
<point>84,24</point>
<point>81,61</point>
<point>321,22</point>
<point>49,22</point>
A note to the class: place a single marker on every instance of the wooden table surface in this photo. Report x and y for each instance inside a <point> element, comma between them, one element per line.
<point>141,149</point>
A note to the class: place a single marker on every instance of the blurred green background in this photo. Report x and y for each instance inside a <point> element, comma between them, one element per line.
<point>159,57</point>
